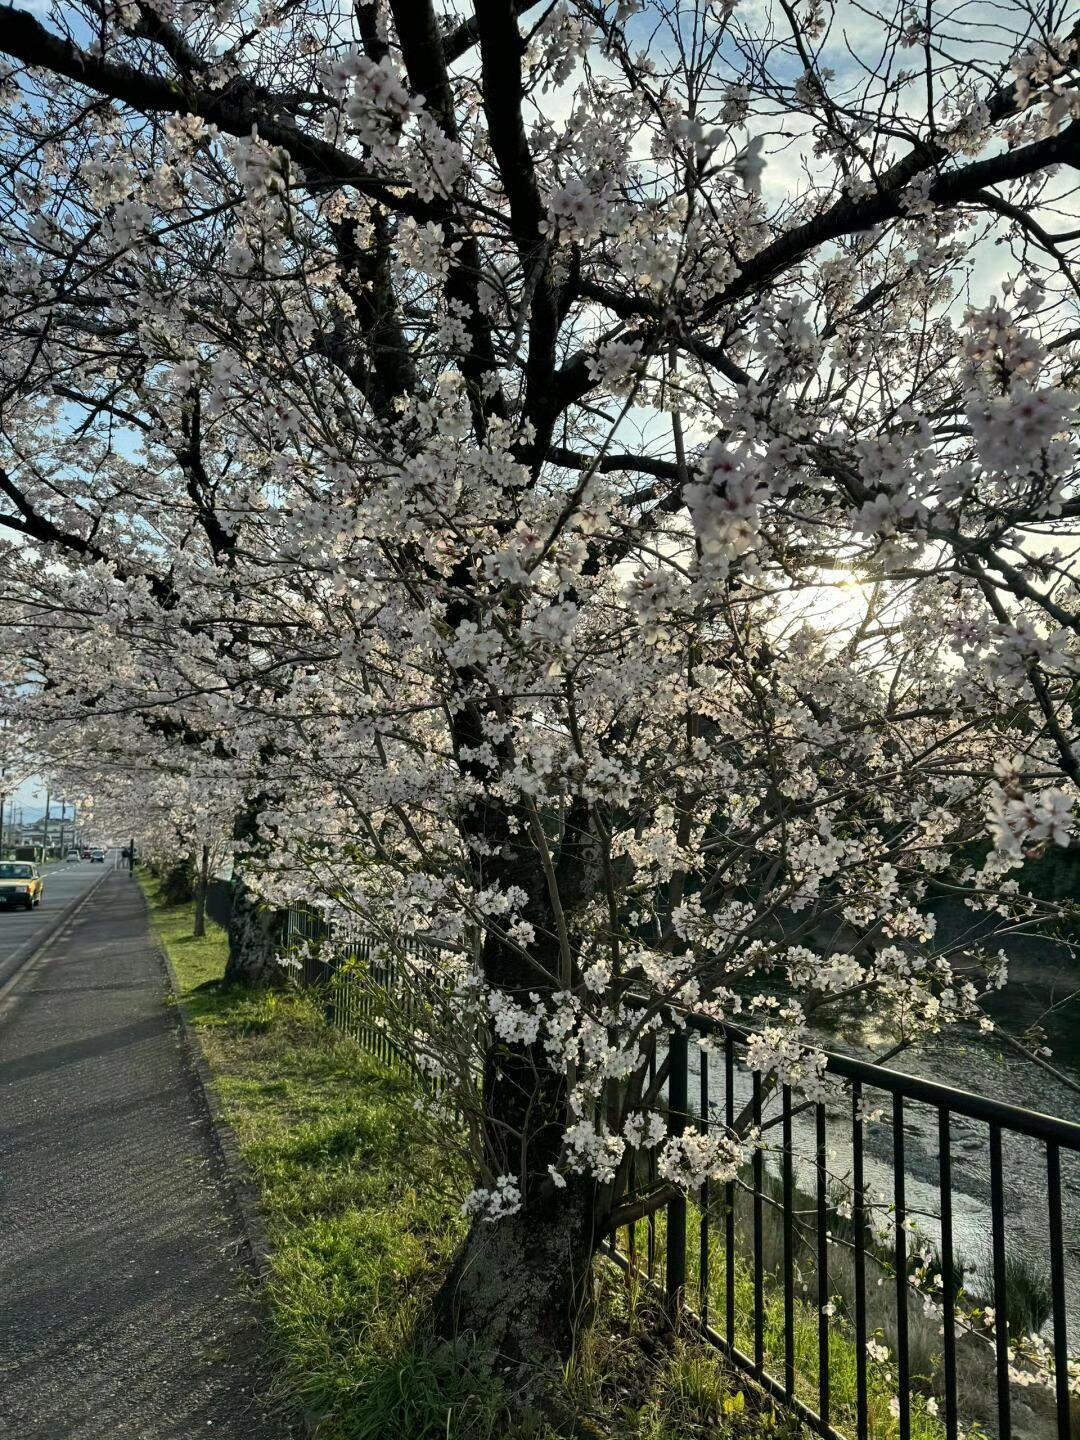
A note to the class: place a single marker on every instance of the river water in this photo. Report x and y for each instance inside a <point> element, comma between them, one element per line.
<point>1043,975</point>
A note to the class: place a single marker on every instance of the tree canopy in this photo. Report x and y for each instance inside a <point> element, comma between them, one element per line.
<point>590,485</point>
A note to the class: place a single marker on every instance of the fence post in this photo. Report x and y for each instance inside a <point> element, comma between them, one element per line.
<point>675,1248</point>
<point>330,998</point>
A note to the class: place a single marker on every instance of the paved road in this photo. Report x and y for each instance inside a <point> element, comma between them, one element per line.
<point>124,1312</point>
<point>18,928</point>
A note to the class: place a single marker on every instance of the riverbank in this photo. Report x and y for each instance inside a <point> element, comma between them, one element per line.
<point>362,1215</point>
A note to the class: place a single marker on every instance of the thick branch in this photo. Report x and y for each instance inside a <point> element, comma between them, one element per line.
<point>504,94</point>
<point>236,110</point>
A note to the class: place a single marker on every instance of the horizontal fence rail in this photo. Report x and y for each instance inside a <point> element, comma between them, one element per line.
<point>783,1267</point>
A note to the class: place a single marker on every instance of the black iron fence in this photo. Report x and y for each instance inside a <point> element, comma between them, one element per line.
<point>799,1302</point>
<point>849,1301</point>
<point>348,993</point>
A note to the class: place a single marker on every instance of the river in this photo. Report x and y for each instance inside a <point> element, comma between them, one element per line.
<point>1043,974</point>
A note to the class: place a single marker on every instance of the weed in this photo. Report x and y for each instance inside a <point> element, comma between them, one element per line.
<point>1029,1297</point>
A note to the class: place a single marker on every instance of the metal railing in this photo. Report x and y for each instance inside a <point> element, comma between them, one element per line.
<point>700,1251</point>
<point>691,1279</point>
<point>349,1001</point>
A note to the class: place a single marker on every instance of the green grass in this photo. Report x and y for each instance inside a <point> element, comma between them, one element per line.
<point>882,1423</point>
<point>361,1209</point>
<point>1029,1294</point>
<point>335,1145</point>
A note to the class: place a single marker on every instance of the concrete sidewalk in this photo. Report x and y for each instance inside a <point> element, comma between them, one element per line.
<point>125,1313</point>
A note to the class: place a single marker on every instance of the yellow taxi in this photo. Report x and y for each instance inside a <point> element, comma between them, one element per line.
<point>20,884</point>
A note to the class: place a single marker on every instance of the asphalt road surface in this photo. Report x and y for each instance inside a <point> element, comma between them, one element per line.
<point>126,1311</point>
<point>63,884</point>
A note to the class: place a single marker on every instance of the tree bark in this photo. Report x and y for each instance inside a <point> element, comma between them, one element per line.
<point>522,1286</point>
<point>253,941</point>
<point>200,893</point>
<point>254,930</point>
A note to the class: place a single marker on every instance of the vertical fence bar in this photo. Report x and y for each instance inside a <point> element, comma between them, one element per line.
<point>1001,1314</point>
<point>703,1198</point>
<point>362,1000</point>
<point>1057,1290</point>
<point>862,1412</point>
<point>384,1040</point>
<point>390,981</point>
<point>900,1260</point>
<point>375,972</point>
<point>675,1246</point>
<point>822,1266</point>
<point>759,1256</point>
<point>650,1223</point>
<point>380,971</point>
<point>729,1196</point>
<point>371,1004</point>
<point>789,1249</point>
<point>948,1299</point>
<point>332,984</point>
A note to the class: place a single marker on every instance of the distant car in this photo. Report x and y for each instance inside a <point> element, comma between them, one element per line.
<point>86,852</point>
<point>97,857</point>
<point>74,856</point>
<point>20,884</point>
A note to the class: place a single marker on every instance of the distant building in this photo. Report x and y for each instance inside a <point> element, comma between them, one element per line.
<point>35,833</point>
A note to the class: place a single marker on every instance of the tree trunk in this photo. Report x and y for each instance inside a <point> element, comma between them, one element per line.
<point>200,893</point>
<point>522,1286</point>
<point>254,931</point>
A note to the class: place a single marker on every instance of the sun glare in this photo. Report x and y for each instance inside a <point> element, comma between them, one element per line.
<point>832,602</point>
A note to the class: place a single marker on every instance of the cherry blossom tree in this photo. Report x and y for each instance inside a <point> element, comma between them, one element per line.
<point>180,810</point>
<point>596,487</point>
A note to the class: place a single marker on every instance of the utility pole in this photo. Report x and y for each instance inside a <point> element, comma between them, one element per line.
<point>45,836</point>
<point>63,818</point>
<point>131,857</point>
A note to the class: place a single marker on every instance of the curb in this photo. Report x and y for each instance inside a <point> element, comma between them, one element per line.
<point>242,1186</point>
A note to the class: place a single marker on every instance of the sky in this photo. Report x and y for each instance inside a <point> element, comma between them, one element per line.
<point>31,796</point>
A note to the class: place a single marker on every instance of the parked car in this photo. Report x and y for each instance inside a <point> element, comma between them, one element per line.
<point>97,857</point>
<point>20,884</point>
<point>74,856</point>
